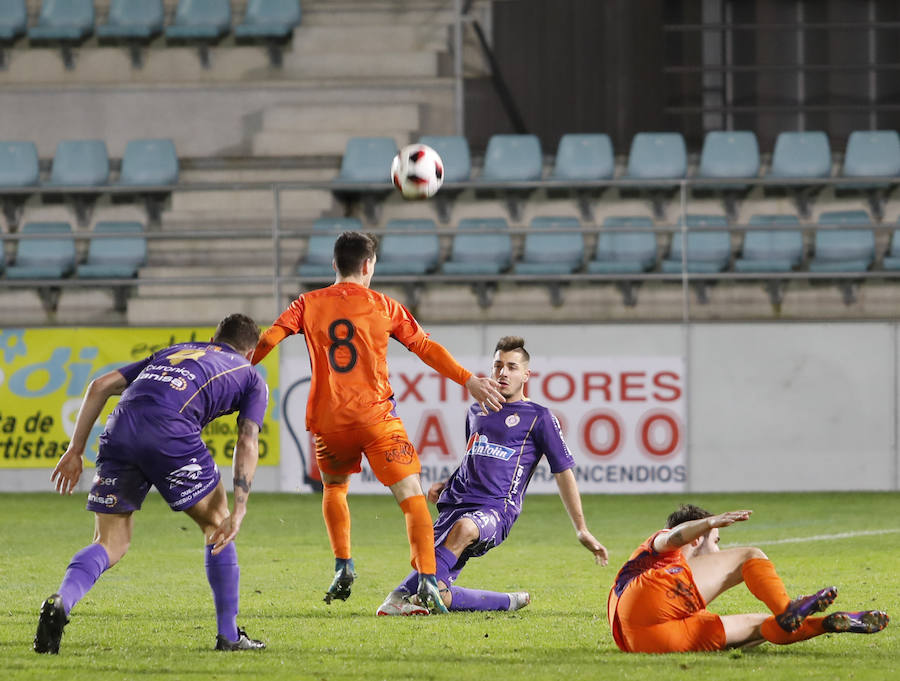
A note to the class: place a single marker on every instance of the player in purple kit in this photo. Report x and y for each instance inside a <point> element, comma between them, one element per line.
<point>479,503</point>
<point>152,437</point>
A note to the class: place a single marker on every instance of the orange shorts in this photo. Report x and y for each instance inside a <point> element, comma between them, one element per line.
<point>385,445</point>
<point>699,631</point>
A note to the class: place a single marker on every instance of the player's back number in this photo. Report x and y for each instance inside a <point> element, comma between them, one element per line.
<point>342,354</point>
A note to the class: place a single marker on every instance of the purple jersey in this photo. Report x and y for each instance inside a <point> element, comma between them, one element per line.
<point>503,449</point>
<point>198,381</point>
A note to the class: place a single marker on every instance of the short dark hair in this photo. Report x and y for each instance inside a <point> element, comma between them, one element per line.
<point>510,343</point>
<point>685,513</point>
<point>238,331</point>
<point>351,250</point>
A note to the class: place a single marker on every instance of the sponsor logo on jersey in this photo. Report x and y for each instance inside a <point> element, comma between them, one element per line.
<point>109,500</point>
<point>517,478</point>
<point>175,382</point>
<point>104,482</point>
<point>479,446</point>
<point>185,476</point>
<point>512,420</point>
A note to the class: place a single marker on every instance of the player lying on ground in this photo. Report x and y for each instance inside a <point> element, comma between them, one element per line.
<point>480,502</point>
<point>152,437</point>
<point>350,409</point>
<point>658,601</point>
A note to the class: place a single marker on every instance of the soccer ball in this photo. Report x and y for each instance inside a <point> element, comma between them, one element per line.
<point>417,171</point>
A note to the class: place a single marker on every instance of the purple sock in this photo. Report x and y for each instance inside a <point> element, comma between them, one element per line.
<point>83,572</point>
<point>224,574</point>
<point>444,560</point>
<point>474,599</point>
<point>411,583</point>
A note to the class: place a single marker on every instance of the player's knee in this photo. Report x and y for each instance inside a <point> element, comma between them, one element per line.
<point>465,530</point>
<point>115,549</point>
<point>751,552</point>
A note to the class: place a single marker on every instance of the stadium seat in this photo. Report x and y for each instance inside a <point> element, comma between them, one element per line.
<point>705,251</point>
<point>801,154</point>
<point>13,20</point>
<point>558,252</point>
<point>65,23</point>
<point>80,163</point>
<point>657,156</point>
<point>892,257</point>
<point>366,161</point>
<point>44,258</point>
<point>481,246</point>
<point>729,155</point>
<point>843,250</point>
<point>320,246</point>
<point>872,153</point>
<point>625,252</point>
<point>584,157</point>
<point>271,22</point>
<point>454,152</point>
<point>512,158</point>
<point>18,168</point>
<point>771,250</point>
<point>134,23</point>
<point>415,252</point>
<point>202,22</point>
<point>115,257</point>
<point>149,162</point>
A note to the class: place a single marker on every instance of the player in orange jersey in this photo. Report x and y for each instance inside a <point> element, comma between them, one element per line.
<point>350,409</point>
<point>658,601</point>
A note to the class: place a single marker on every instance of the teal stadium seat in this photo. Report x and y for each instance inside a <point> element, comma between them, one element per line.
<point>843,250</point>
<point>871,153</point>
<point>625,252</point>
<point>454,152</point>
<point>729,155</point>
<point>706,251</point>
<point>512,158</point>
<point>149,162</point>
<point>657,156</point>
<point>415,252</point>
<point>133,20</point>
<point>558,252</point>
<point>481,246</point>
<point>80,163</point>
<point>320,247</point>
<point>18,168</point>
<point>115,257</point>
<point>892,257</point>
<point>771,250</point>
<point>63,21</point>
<point>44,258</point>
<point>584,157</point>
<point>367,160</point>
<point>13,20</point>
<point>269,19</point>
<point>801,154</point>
<point>200,20</point>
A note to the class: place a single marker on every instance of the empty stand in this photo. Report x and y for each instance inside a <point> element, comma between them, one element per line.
<point>115,257</point>
<point>50,258</point>
<point>134,23</point>
<point>270,22</point>
<point>771,250</point>
<point>482,246</point>
<point>18,168</point>
<point>454,152</point>
<point>728,155</point>
<point>201,23</point>
<point>892,257</point>
<point>799,155</point>
<point>582,157</point>
<point>871,153</point>
<point>559,251</point>
<point>511,158</point>
<point>13,24</point>
<point>843,250</point>
<point>66,23</point>
<point>701,252</point>
<point>79,163</point>
<point>629,251</point>
<point>656,156</point>
<point>415,251</point>
<point>320,246</point>
<point>150,162</point>
<point>366,162</point>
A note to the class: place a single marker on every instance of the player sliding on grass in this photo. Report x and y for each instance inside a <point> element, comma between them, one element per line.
<point>658,601</point>
<point>483,497</point>
<point>350,410</point>
<point>152,437</point>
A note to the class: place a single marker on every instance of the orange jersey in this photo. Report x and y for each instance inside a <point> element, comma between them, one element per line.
<point>347,327</point>
<point>651,588</point>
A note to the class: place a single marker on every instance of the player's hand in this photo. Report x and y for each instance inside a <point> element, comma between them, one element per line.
<point>435,491</point>
<point>486,391</point>
<point>601,555</point>
<point>68,471</point>
<point>225,533</point>
<point>729,518</point>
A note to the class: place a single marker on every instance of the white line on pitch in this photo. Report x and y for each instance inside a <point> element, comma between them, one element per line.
<point>820,537</point>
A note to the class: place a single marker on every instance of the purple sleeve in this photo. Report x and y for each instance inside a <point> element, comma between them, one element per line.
<point>555,449</point>
<point>254,400</point>
<point>131,371</point>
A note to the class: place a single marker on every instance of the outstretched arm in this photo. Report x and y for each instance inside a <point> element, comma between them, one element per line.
<point>485,391</point>
<point>268,340</point>
<point>68,470</point>
<point>568,492</point>
<point>246,456</point>
<point>687,532</point>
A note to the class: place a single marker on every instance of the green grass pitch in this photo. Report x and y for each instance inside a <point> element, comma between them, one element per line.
<point>151,616</point>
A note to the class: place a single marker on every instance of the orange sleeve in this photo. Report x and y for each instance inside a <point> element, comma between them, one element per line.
<point>289,322</point>
<point>438,358</point>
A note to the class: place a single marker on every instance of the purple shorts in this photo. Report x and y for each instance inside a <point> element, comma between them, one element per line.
<point>136,453</point>
<point>493,527</point>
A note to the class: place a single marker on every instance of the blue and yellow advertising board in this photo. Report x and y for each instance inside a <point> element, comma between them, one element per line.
<point>44,373</point>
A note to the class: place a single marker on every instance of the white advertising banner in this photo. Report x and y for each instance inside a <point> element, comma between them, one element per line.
<point>623,419</point>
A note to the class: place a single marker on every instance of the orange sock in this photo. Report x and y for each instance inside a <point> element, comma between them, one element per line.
<point>337,518</point>
<point>420,532</point>
<point>764,583</point>
<point>773,633</point>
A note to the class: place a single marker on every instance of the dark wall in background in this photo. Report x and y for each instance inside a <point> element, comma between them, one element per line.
<point>624,66</point>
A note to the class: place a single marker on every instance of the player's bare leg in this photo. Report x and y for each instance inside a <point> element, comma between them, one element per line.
<point>742,631</point>
<point>336,513</point>
<point>222,572</point>
<point>717,572</point>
